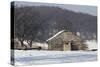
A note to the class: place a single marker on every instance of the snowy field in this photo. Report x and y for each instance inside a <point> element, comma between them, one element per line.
<point>35,57</point>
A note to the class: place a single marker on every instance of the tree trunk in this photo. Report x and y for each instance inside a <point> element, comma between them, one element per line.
<point>22,44</point>
<point>21,41</point>
<point>29,43</point>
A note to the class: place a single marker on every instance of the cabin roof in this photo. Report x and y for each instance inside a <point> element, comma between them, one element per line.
<point>55,35</point>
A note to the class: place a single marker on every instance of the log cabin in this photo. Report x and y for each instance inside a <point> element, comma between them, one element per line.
<point>65,41</point>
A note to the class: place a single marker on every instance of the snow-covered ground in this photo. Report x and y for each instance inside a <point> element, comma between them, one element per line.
<point>34,57</point>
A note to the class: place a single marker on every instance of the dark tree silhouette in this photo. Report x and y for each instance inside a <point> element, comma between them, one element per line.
<point>26,24</point>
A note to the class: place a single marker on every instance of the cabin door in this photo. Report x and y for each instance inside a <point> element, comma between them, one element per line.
<point>66,47</point>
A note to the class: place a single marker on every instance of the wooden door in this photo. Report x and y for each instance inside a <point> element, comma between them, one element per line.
<point>66,47</point>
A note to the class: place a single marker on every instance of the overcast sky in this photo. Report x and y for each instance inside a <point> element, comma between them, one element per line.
<point>92,10</point>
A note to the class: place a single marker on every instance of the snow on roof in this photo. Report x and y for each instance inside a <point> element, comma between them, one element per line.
<point>55,35</point>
